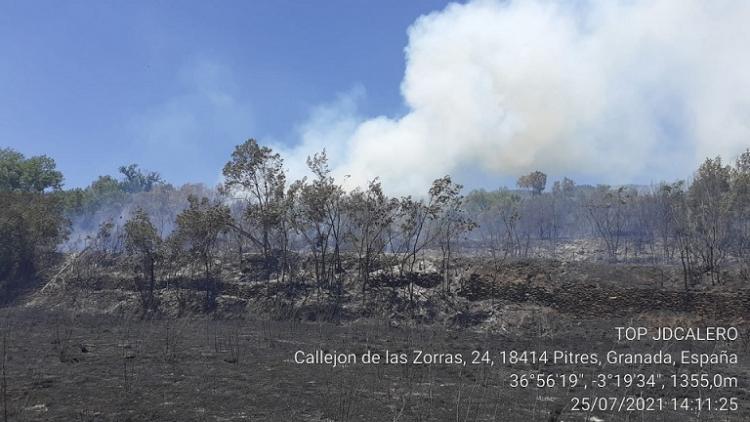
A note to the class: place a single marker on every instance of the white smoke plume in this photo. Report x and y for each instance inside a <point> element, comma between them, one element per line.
<point>621,91</point>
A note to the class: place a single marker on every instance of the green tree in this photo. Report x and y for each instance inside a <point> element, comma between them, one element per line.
<point>136,180</point>
<point>32,222</point>
<point>21,174</point>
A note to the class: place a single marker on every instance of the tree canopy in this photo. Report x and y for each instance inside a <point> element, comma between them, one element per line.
<point>35,174</point>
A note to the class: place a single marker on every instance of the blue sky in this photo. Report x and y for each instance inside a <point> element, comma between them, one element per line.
<point>174,85</point>
<point>485,90</point>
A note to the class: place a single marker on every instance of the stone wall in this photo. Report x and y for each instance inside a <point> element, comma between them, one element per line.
<point>588,300</point>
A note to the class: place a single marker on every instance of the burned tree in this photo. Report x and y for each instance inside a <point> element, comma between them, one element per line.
<point>606,210</point>
<point>740,208</point>
<point>369,214</point>
<point>420,224</point>
<point>453,220</point>
<point>198,230</point>
<point>317,217</point>
<point>709,202</point>
<point>255,175</point>
<point>142,243</point>
<point>536,181</point>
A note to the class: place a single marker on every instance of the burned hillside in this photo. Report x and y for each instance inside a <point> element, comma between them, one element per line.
<point>257,232</point>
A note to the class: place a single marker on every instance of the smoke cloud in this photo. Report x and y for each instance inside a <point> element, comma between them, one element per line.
<point>620,91</point>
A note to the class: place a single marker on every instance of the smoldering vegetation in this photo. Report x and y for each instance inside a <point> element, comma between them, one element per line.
<point>143,297</point>
<point>311,234</point>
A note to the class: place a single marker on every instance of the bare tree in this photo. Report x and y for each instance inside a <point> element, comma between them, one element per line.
<point>4,380</point>
<point>709,202</point>
<point>317,217</point>
<point>682,229</point>
<point>508,208</point>
<point>667,205</point>
<point>740,208</point>
<point>607,212</point>
<point>420,224</point>
<point>453,221</point>
<point>369,214</point>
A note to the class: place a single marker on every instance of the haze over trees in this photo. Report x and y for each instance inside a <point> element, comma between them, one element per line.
<point>536,181</point>
<point>142,242</point>
<point>255,174</point>
<point>198,229</point>
<point>313,232</point>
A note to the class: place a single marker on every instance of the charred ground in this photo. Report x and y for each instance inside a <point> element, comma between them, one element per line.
<point>85,348</point>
